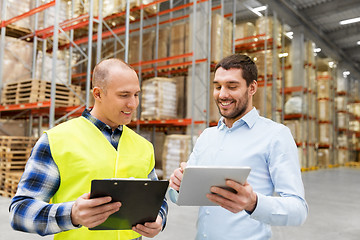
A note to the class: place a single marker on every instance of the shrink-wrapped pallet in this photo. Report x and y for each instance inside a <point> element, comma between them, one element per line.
<point>179,42</point>
<point>244,33</point>
<point>323,88</point>
<point>325,133</point>
<point>159,99</point>
<point>177,149</point>
<point>265,26</point>
<point>15,8</point>
<point>152,9</point>
<point>341,85</point>
<point>340,103</point>
<point>221,32</point>
<point>341,120</point>
<point>342,156</point>
<point>323,157</point>
<point>295,129</point>
<point>17,60</point>
<point>44,67</point>
<point>342,140</point>
<point>259,58</point>
<point>324,110</point>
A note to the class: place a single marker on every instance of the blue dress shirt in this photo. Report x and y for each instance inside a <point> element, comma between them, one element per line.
<point>30,210</point>
<point>269,149</point>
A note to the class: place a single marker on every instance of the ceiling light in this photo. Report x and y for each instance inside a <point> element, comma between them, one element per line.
<point>351,20</point>
<point>331,64</point>
<point>253,10</point>
<point>316,50</point>
<point>281,55</point>
<point>258,9</point>
<point>358,42</point>
<point>346,73</point>
<point>289,35</point>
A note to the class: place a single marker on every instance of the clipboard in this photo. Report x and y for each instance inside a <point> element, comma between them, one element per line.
<point>197,181</point>
<point>141,201</point>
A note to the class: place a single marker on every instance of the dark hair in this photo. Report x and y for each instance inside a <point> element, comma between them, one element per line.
<point>243,62</point>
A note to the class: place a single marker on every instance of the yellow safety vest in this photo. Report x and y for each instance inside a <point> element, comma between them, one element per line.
<point>82,153</point>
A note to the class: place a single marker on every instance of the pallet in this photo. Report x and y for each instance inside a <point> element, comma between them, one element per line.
<point>10,184</point>
<point>33,90</point>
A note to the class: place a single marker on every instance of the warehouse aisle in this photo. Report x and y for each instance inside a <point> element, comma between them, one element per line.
<point>333,196</point>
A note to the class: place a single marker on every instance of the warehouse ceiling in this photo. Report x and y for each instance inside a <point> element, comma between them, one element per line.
<point>321,21</point>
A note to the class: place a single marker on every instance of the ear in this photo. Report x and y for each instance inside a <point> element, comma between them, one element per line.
<point>96,93</point>
<point>253,88</point>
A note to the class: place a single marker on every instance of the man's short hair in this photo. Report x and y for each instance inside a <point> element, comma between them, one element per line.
<point>101,71</point>
<point>243,62</point>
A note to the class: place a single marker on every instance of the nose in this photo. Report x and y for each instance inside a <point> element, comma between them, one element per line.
<point>223,93</point>
<point>133,102</point>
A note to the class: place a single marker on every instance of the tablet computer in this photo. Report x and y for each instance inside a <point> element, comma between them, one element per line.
<point>141,201</point>
<point>197,181</point>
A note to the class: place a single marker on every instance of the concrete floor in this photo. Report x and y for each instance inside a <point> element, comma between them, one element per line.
<point>333,197</point>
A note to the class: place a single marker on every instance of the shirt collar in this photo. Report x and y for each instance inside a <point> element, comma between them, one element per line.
<point>99,124</point>
<point>249,119</point>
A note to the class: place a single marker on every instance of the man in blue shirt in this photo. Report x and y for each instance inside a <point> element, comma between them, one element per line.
<point>274,192</point>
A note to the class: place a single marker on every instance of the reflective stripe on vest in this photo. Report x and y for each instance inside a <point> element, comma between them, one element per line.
<point>82,153</point>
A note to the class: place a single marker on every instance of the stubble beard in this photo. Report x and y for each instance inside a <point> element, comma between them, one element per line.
<point>237,112</point>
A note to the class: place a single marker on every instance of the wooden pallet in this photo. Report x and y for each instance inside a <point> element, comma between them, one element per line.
<point>10,184</point>
<point>30,91</point>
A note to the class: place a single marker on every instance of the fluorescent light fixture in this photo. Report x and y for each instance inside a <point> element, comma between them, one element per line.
<point>351,20</point>
<point>346,73</point>
<point>331,64</point>
<point>253,10</point>
<point>316,50</point>
<point>290,35</point>
<point>281,55</point>
<point>358,42</point>
<point>259,9</point>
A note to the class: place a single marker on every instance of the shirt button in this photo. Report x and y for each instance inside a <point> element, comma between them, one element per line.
<point>204,235</point>
<point>207,212</point>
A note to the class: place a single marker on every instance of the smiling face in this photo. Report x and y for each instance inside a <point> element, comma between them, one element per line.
<point>232,95</point>
<point>117,101</point>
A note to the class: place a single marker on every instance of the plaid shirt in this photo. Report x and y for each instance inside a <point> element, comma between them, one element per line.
<point>30,209</point>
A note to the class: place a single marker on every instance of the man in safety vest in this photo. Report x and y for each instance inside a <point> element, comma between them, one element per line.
<point>96,145</point>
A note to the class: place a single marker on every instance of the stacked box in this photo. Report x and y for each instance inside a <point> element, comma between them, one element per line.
<point>34,90</point>
<point>341,84</point>
<point>296,129</point>
<point>342,120</point>
<point>158,140</point>
<point>342,140</point>
<point>14,153</point>
<point>159,99</point>
<point>217,53</point>
<point>147,48</point>
<point>163,42</point>
<point>177,149</point>
<point>309,52</point>
<point>136,3</point>
<point>179,41</point>
<point>17,60</point>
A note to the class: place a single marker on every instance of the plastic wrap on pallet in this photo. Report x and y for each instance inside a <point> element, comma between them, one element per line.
<point>259,58</point>
<point>324,110</point>
<point>342,140</point>
<point>323,157</point>
<point>323,88</point>
<point>244,30</point>
<point>136,3</point>
<point>179,44</point>
<point>325,133</point>
<point>15,8</point>
<point>340,103</point>
<point>61,67</point>
<point>177,149</point>
<point>159,99</point>
<point>17,60</point>
<point>341,84</point>
<point>265,25</point>
<point>294,105</point>
<point>216,28</point>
